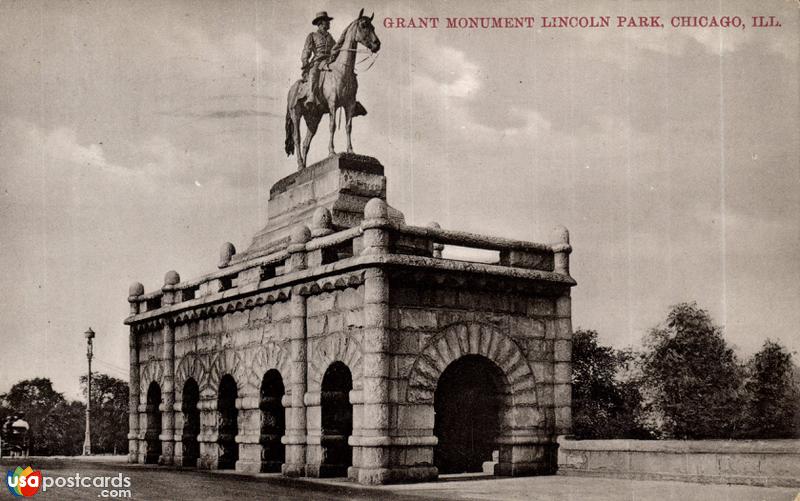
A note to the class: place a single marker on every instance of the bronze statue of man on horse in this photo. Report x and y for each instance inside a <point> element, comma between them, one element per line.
<point>329,82</point>
<point>319,44</point>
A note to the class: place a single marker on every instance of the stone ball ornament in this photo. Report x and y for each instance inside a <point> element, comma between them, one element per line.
<point>322,218</point>
<point>226,252</point>
<point>172,278</point>
<point>136,289</point>
<point>300,234</point>
<point>376,208</point>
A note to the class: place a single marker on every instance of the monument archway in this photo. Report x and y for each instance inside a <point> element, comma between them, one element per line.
<point>191,423</point>
<point>273,421</point>
<point>469,402</point>
<point>153,429</point>
<point>228,426</point>
<point>337,420</point>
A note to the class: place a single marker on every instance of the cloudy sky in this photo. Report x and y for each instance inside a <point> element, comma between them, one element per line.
<point>136,137</point>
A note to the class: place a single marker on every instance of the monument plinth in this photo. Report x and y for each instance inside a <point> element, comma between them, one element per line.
<point>342,183</point>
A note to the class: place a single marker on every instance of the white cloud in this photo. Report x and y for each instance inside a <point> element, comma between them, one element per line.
<point>448,73</point>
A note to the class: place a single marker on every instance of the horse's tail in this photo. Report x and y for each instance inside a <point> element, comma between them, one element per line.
<point>289,135</point>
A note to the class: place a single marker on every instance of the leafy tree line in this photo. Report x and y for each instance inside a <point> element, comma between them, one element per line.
<point>57,426</point>
<point>686,383</point>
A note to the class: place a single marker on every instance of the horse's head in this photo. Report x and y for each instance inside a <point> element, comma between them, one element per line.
<point>365,32</point>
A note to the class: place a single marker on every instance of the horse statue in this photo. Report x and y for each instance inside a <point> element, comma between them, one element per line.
<point>337,86</point>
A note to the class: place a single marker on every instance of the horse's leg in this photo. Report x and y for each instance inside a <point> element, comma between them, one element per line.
<point>332,108</point>
<point>348,119</point>
<point>312,121</point>
<point>301,157</point>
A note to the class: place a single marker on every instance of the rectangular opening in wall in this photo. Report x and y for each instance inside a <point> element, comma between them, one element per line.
<point>188,293</point>
<point>154,303</point>
<point>228,282</point>
<point>471,254</point>
<point>268,271</point>
<point>334,253</point>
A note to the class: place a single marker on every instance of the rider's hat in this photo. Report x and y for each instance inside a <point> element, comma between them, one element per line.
<point>321,16</point>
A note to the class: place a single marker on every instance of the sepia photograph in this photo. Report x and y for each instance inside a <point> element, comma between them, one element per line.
<point>400,249</point>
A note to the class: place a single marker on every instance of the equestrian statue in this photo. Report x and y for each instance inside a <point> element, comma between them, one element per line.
<point>328,83</point>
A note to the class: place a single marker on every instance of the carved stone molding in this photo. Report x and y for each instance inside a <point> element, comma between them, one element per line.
<point>330,283</point>
<point>242,304</point>
<point>151,371</point>
<point>341,347</point>
<point>458,340</point>
<point>195,367</point>
<point>227,361</point>
<point>261,359</point>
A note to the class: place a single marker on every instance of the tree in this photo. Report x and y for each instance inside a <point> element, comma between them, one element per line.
<point>62,431</point>
<point>771,394</point>
<point>47,412</point>
<point>604,405</point>
<point>109,413</point>
<point>692,376</point>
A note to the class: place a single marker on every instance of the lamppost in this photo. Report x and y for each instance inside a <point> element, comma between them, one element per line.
<point>87,440</point>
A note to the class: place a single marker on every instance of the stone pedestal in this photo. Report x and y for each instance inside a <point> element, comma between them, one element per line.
<point>342,183</point>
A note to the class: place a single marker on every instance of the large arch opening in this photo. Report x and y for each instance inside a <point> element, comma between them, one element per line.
<point>468,406</point>
<point>273,422</point>
<point>153,429</point>
<point>191,423</point>
<point>337,421</point>
<point>228,423</point>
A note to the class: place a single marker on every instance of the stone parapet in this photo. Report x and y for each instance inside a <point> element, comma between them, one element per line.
<point>149,306</point>
<point>753,462</point>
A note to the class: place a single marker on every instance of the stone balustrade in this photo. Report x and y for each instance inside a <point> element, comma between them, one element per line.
<point>346,248</point>
<point>753,462</point>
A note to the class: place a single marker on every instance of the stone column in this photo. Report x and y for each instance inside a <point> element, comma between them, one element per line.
<point>141,437</point>
<point>249,436</point>
<point>295,438</point>
<point>136,289</point>
<point>371,441</point>
<point>209,448</point>
<point>177,436</point>
<point>315,453</point>
<point>561,250</point>
<point>562,348</point>
<point>133,401</point>
<point>562,369</point>
<point>167,406</point>
<point>436,248</point>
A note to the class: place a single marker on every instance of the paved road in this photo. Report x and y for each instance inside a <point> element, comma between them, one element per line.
<point>561,488</point>
<point>153,483</point>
